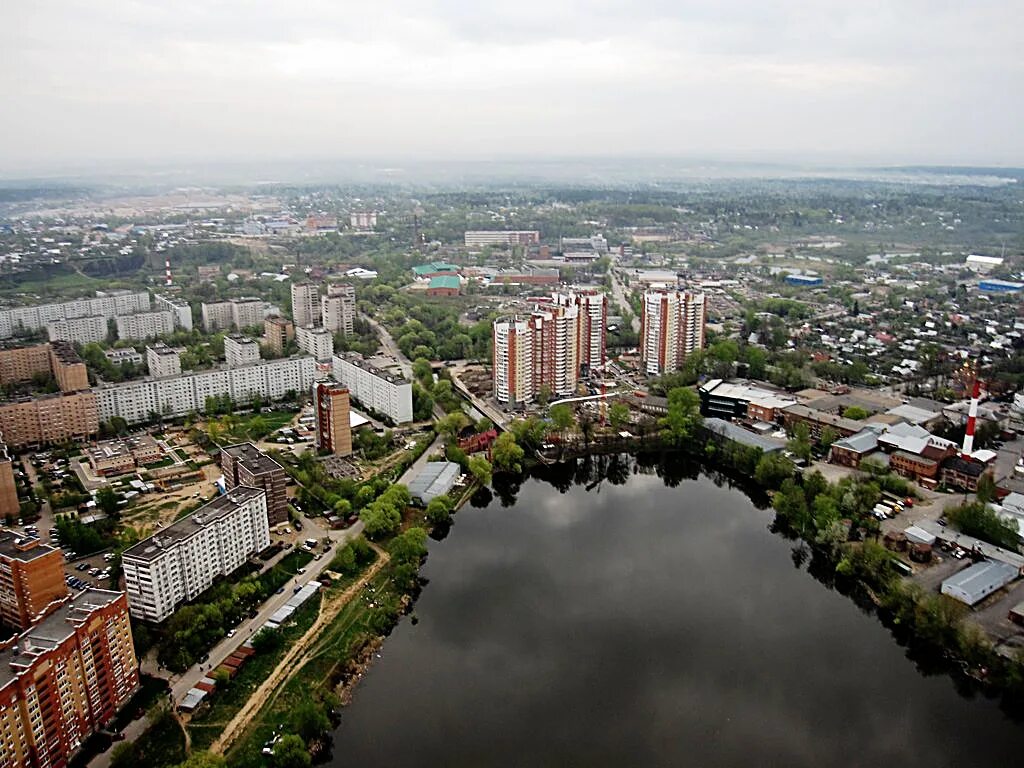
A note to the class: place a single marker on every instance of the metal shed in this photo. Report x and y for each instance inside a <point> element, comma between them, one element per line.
<point>435,479</point>
<point>974,584</point>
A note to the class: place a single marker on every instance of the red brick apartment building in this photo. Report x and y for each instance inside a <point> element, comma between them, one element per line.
<point>64,679</point>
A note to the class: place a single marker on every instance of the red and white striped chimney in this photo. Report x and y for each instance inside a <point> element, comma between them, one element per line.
<point>167,272</point>
<point>972,417</point>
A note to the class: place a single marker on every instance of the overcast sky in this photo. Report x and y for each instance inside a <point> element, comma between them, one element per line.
<point>868,81</point>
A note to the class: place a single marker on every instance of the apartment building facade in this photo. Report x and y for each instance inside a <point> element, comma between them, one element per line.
<point>671,328</point>
<point>104,305</point>
<point>216,315</point>
<point>163,361</point>
<point>31,578</point>
<point>183,560</point>
<point>318,342</point>
<point>29,421</point>
<point>512,360</point>
<point>333,424</point>
<point>245,464</point>
<point>57,359</point>
<point>178,307</point>
<point>145,325</point>
<point>305,304</point>
<point>480,238</point>
<point>277,332</point>
<point>81,330</point>
<point>137,401</point>
<point>338,309</point>
<point>64,679</point>
<point>247,312</point>
<point>240,350</point>
<point>375,389</point>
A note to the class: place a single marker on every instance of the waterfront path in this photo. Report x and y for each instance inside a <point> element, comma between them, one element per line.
<point>295,657</point>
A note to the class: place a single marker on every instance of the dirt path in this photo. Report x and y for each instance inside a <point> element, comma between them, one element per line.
<point>295,658</point>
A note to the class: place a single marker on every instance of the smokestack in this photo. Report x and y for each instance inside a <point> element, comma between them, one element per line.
<point>167,272</point>
<point>972,417</point>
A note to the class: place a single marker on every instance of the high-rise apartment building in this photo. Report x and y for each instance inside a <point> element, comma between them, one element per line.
<point>246,312</point>
<point>562,341</point>
<point>305,304</point>
<point>184,559</point>
<point>512,360</point>
<point>67,367</point>
<point>338,309</point>
<point>31,578</point>
<point>9,504</point>
<point>65,678</point>
<point>277,332</point>
<point>245,464</point>
<point>318,342</point>
<point>21,364</point>
<point>106,304</point>
<point>178,307</point>
<point>83,330</point>
<point>163,361</point>
<point>593,324</point>
<point>672,327</point>
<point>145,325</point>
<point>136,401</point>
<point>58,358</point>
<point>217,316</point>
<point>378,390</point>
<point>240,350</point>
<point>333,424</point>
<point>32,421</point>
<point>555,351</point>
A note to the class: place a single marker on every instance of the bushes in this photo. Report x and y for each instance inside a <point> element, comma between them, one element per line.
<point>976,519</point>
<point>383,516</point>
<point>353,557</point>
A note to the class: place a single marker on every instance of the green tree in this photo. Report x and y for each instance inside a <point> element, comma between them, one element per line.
<point>828,436</point>
<point>439,510</point>
<point>291,752</point>
<point>506,454</point>
<point>772,470</point>
<point>562,417</point>
<point>410,546</point>
<point>107,501</point>
<point>683,417</point>
<point>309,720</point>
<point>481,469</point>
<point>453,424</point>
<point>986,488</point>
<point>618,415</point>
<point>856,413</point>
<point>123,755</point>
<point>800,444</point>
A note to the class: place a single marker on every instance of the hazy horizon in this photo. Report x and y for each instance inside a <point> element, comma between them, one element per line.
<point>140,82</point>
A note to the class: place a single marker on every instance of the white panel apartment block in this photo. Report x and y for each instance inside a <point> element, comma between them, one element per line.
<point>184,559</point>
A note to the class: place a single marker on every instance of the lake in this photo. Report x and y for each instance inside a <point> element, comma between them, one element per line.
<point>656,621</point>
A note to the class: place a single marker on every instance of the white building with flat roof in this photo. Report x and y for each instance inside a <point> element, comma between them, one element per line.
<point>83,330</point>
<point>145,325</point>
<point>374,389</point>
<point>184,559</point>
<point>106,304</point>
<point>318,342</point>
<point>138,401</point>
<point>240,350</point>
<point>181,310</point>
<point>162,361</point>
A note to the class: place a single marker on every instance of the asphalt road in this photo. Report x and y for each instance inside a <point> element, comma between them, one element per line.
<point>180,684</point>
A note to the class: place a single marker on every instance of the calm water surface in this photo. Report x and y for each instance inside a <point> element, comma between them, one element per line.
<point>639,624</point>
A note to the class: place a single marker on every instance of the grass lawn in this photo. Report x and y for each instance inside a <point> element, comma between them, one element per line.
<point>360,620</point>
